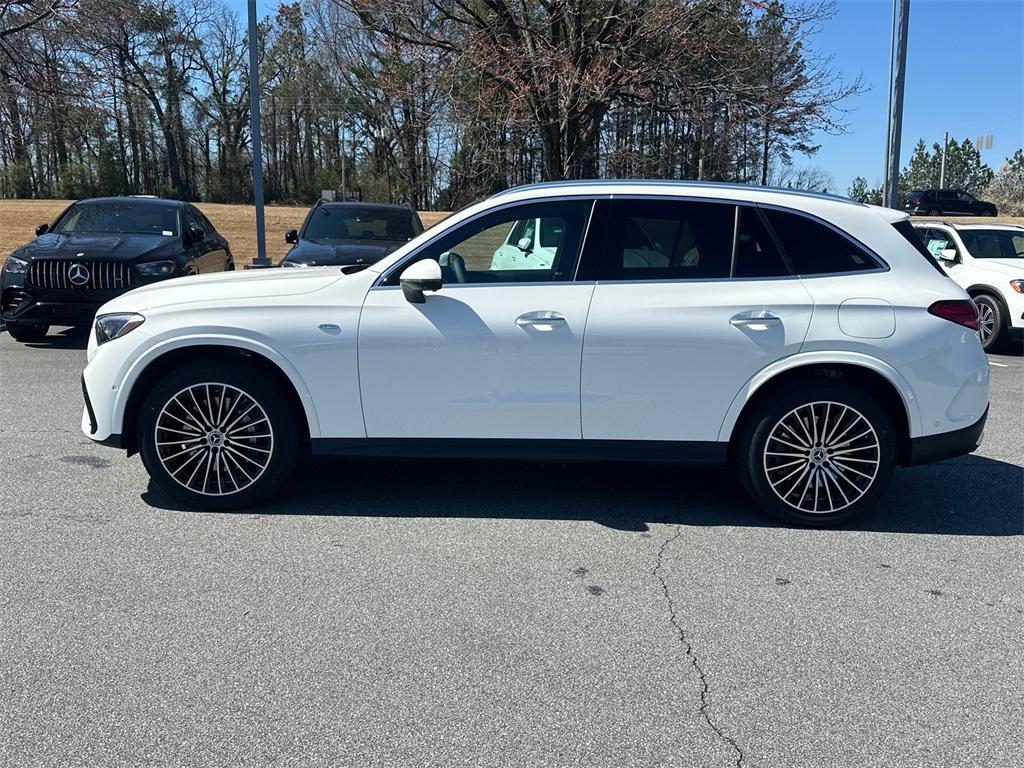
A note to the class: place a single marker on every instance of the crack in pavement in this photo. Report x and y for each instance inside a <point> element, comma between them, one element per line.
<point>688,647</point>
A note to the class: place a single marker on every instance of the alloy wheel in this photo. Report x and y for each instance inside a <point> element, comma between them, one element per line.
<point>986,323</point>
<point>821,457</point>
<point>214,439</point>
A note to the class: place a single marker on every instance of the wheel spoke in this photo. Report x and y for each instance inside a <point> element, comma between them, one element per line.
<point>856,471</point>
<point>786,442</point>
<point>251,424</point>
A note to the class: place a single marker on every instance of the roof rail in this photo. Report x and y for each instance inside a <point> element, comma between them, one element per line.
<point>682,183</point>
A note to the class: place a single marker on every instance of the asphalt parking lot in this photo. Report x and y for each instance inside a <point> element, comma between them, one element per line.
<point>510,614</point>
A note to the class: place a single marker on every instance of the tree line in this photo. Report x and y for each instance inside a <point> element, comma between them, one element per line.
<point>964,169</point>
<point>429,102</point>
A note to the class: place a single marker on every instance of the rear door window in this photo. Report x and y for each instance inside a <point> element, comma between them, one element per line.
<point>757,254</point>
<point>668,240</point>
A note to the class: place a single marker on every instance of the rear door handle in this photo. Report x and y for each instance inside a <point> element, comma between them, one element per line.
<point>755,320</point>
<point>542,320</point>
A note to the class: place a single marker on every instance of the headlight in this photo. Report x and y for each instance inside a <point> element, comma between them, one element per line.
<point>110,327</point>
<point>162,268</point>
<point>15,266</point>
<point>287,263</point>
<point>1017,285</point>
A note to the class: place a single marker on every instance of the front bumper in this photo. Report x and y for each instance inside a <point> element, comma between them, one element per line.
<point>947,445</point>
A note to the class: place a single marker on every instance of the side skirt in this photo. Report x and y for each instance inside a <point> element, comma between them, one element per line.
<point>689,452</point>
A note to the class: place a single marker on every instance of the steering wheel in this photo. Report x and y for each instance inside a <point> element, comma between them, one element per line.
<point>454,264</point>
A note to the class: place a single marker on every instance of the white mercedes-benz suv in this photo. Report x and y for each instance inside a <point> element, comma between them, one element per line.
<point>808,340</point>
<point>986,260</point>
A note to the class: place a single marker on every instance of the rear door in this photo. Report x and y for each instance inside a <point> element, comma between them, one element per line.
<point>693,298</point>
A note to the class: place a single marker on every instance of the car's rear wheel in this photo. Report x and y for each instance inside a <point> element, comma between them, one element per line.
<point>218,435</point>
<point>934,212</point>
<point>990,322</point>
<point>28,332</point>
<point>816,455</point>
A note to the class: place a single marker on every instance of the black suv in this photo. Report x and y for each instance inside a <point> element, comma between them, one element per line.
<point>937,202</point>
<point>98,249</point>
<point>356,234</point>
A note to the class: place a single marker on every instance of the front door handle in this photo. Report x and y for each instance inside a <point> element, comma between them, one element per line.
<point>755,320</point>
<point>542,320</point>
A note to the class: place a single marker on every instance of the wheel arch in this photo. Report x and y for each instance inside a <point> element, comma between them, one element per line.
<point>982,289</point>
<point>159,361</point>
<point>877,378</point>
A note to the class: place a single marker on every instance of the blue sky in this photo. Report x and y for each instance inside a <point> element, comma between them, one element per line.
<point>965,75</point>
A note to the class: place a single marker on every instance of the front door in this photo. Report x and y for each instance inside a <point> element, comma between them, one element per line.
<point>681,318</point>
<point>495,353</point>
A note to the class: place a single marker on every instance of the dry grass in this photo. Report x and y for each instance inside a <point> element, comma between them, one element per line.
<point>237,223</point>
<point>18,220</point>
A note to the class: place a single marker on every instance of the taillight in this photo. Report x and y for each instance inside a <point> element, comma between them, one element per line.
<point>959,311</point>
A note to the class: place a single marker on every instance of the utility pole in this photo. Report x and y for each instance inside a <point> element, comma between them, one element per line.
<point>899,69</point>
<point>942,168</point>
<point>261,259</point>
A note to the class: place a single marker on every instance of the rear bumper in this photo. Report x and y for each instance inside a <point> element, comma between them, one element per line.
<point>946,445</point>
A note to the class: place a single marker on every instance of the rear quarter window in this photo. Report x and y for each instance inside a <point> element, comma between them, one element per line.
<point>815,249</point>
<point>913,236</point>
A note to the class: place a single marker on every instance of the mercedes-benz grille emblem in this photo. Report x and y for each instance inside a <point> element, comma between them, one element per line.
<point>78,274</point>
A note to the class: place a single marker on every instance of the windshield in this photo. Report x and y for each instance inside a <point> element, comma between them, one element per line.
<point>994,243</point>
<point>122,217</point>
<point>334,223</point>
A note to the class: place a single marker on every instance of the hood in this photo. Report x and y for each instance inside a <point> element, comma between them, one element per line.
<point>1013,268</point>
<point>342,254</point>
<point>223,287</point>
<point>106,247</point>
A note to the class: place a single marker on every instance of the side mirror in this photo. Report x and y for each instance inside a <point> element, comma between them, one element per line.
<point>291,236</point>
<point>424,275</point>
<point>525,245</point>
<point>948,254</point>
<point>42,229</point>
<point>195,234</point>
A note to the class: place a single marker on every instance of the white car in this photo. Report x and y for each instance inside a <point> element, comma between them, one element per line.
<point>805,339</point>
<point>987,260</point>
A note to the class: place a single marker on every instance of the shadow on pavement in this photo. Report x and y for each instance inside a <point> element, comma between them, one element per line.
<point>957,497</point>
<point>69,338</point>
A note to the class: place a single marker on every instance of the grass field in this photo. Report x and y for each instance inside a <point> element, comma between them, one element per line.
<point>237,223</point>
<point>18,220</point>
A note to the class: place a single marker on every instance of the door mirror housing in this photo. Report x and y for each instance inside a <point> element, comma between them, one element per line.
<point>42,229</point>
<point>948,254</point>
<point>525,244</point>
<point>424,275</point>
<point>291,236</point>
<point>194,234</point>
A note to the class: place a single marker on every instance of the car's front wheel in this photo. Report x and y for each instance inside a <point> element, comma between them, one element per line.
<point>990,322</point>
<point>218,435</point>
<point>818,454</point>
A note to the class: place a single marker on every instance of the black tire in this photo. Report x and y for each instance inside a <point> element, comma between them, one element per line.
<point>28,332</point>
<point>933,212</point>
<point>757,471</point>
<point>214,434</point>
<point>989,307</point>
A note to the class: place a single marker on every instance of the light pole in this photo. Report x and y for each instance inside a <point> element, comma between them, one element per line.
<point>895,127</point>
<point>261,259</point>
<point>942,171</point>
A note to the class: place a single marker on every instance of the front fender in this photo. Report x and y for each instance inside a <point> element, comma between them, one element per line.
<point>223,337</point>
<point>804,359</point>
